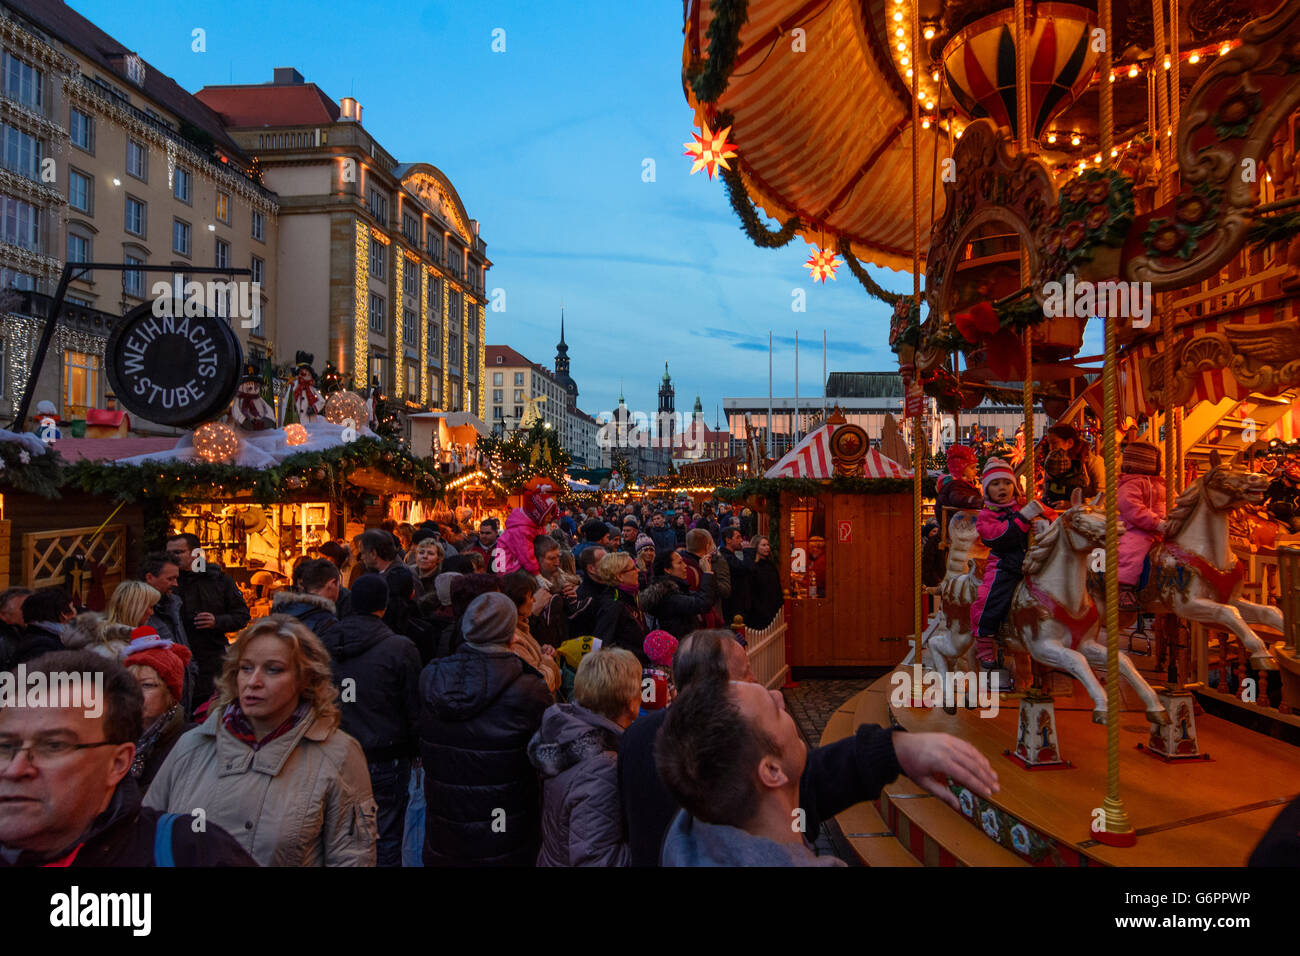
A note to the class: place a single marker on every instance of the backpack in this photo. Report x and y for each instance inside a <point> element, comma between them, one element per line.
<point>162,840</point>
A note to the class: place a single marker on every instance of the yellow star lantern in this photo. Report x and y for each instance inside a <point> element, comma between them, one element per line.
<point>710,150</point>
<point>822,265</point>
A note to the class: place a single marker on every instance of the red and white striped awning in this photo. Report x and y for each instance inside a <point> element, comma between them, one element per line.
<point>811,458</point>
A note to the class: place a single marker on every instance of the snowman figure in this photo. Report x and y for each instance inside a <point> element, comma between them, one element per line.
<point>302,395</point>
<point>249,410</point>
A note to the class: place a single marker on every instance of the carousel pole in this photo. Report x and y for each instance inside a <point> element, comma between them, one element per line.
<point>918,623</point>
<point>1022,130</point>
<point>1118,831</point>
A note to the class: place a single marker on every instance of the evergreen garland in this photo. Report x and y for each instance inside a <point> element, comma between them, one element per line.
<point>1269,229</point>
<point>39,474</point>
<point>809,487</point>
<point>708,78</point>
<point>758,233</point>
<point>860,273</point>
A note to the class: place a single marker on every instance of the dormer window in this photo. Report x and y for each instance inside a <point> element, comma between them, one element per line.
<point>135,71</point>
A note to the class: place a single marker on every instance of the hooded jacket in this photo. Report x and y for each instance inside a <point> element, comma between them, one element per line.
<point>304,799</point>
<point>316,612</point>
<point>516,541</point>
<point>674,608</point>
<point>384,668</point>
<point>692,842</point>
<point>123,835</point>
<point>479,708</point>
<point>576,752</point>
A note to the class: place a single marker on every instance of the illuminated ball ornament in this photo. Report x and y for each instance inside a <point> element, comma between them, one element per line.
<point>216,441</point>
<point>710,150</point>
<point>340,406</point>
<point>822,265</point>
<point>295,434</point>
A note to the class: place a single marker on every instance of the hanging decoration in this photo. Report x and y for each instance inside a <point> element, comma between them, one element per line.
<point>822,265</point>
<point>216,441</point>
<point>295,434</point>
<point>710,149</point>
<point>343,405</point>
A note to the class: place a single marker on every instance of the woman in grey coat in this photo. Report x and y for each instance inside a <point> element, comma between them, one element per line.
<point>576,753</point>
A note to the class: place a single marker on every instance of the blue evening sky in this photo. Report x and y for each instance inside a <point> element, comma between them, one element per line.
<point>545,144</point>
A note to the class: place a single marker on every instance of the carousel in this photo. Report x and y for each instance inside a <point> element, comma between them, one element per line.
<point>1115,172</point>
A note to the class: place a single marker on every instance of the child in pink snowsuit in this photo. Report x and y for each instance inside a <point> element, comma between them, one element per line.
<point>1141,495</point>
<point>514,548</point>
<point>1004,526</point>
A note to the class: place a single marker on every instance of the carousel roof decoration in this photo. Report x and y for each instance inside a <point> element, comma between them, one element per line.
<point>815,457</point>
<point>822,264</point>
<point>710,149</point>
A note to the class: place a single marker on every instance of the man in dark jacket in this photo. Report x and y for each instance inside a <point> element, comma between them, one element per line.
<point>379,673</point>
<point>662,535</point>
<point>11,623</point>
<point>66,794</point>
<point>316,604</point>
<point>379,555</point>
<point>582,621</point>
<point>834,777</point>
<point>479,708</point>
<point>673,606</point>
<point>212,607</point>
<point>45,612</point>
<point>162,572</point>
<point>594,532</point>
<point>733,551</point>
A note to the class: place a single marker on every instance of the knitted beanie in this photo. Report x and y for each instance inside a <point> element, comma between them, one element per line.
<point>660,646</point>
<point>644,541</point>
<point>369,594</point>
<point>1141,458</point>
<point>960,457</point>
<point>166,657</point>
<point>490,619</point>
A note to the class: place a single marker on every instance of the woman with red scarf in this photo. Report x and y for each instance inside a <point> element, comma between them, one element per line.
<point>270,765</point>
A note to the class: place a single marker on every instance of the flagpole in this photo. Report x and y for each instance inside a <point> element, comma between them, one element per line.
<point>770,445</point>
<point>823,376</point>
<point>796,386</point>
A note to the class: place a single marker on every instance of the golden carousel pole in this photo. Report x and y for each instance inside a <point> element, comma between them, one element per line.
<point>918,623</point>
<point>1027,389</point>
<point>1118,831</point>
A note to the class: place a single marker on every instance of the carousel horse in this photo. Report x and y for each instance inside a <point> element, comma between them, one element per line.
<point>1052,615</point>
<point>1194,574</point>
<point>949,628</point>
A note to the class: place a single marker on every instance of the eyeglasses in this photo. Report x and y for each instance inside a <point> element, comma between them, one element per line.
<point>46,752</point>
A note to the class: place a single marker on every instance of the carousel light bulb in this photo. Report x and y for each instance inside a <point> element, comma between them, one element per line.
<point>1051,139</point>
<point>1194,59</point>
<point>1133,70</point>
<point>925,123</point>
<point>1113,154</point>
<point>905,60</point>
<point>935,76</point>
<point>1223,50</point>
<point>930,106</point>
<point>902,47</point>
<point>909,73</point>
<point>899,33</point>
<point>1166,63</point>
<point>898,16</point>
<point>1075,140</point>
<point>929,33</point>
<point>959,132</point>
<point>1111,77</point>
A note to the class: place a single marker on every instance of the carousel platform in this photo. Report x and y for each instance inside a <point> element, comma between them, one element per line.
<point>1192,813</point>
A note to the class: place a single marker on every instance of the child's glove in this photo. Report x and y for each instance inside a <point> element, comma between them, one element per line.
<point>1032,510</point>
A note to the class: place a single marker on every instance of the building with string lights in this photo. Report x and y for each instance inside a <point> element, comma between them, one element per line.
<point>402,302</point>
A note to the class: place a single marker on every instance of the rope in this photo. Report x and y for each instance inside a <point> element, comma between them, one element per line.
<point>1162,96</point>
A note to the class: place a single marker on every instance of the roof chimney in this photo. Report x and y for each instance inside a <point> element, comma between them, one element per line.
<point>286,76</point>
<point>349,109</point>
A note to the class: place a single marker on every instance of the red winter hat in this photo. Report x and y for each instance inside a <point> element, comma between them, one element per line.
<point>168,658</point>
<point>959,458</point>
<point>539,500</point>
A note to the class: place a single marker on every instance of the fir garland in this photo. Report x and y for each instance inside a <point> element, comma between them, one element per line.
<point>758,233</point>
<point>809,487</point>
<point>1269,229</point>
<point>39,474</point>
<point>708,78</point>
<point>860,273</point>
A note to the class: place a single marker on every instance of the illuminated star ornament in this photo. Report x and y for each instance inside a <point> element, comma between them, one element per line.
<point>710,150</point>
<point>822,265</point>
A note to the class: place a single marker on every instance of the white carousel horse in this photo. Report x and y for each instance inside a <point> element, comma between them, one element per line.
<point>950,626</point>
<point>1194,574</point>
<point>1052,616</point>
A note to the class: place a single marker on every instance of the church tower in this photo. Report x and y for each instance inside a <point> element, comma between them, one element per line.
<point>562,377</point>
<point>667,416</point>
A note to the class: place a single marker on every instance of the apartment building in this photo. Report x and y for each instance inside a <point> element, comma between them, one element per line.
<point>515,382</point>
<point>383,263</point>
<point>106,159</point>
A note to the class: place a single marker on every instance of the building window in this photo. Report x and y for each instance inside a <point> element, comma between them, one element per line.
<point>453,349</point>
<point>412,384</point>
<point>223,208</point>
<point>519,379</point>
<point>79,251</point>
<point>135,216</point>
<point>411,228</point>
<point>12,279</point>
<point>259,226</point>
<point>410,278</point>
<point>378,365</point>
<point>21,223</point>
<point>180,237</point>
<point>23,82</point>
<point>519,412</point>
<point>435,299</point>
<point>455,260</point>
<point>434,248</point>
<point>80,383</point>
<point>259,271</point>
<point>223,255</point>
<point>137,159</point>
<point>80,191</point>
<point>132,279</point>
<point>455,397</point>
<point>496,412</point>
<point>410,330</point>
<point>519,395</point>
<point>376,313</point>
<point>496,379</point>
<point>181,184</point>
<point>435,341</point>
<point>377,250</point>
<point>22,153</point>
<point>496,395</point>
<point>378,206</point>
<point>81,130</point>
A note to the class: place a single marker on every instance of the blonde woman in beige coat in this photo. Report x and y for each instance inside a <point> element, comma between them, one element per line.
<point>270,766</point>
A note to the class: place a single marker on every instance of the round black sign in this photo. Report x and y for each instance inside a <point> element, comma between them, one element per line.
<point>173,368</point>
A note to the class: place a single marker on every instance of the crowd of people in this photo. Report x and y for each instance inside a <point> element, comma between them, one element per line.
<point>567,690</point>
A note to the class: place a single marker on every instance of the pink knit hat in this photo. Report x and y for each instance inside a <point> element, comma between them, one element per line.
<point>660,646</point>
<point>996,468</point>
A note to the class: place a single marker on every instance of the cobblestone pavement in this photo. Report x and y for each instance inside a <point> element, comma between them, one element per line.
<point>812,704</point>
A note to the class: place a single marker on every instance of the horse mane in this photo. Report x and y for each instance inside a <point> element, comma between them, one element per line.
<point>1038,554</point>
<point>1184,505</point>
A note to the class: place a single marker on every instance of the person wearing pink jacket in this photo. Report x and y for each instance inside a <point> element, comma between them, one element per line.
<point>1140,492</point>
<point>514,548</point>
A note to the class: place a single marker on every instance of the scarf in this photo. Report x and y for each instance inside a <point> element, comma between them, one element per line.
<point>149,739</point>
<point>237,725</point>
